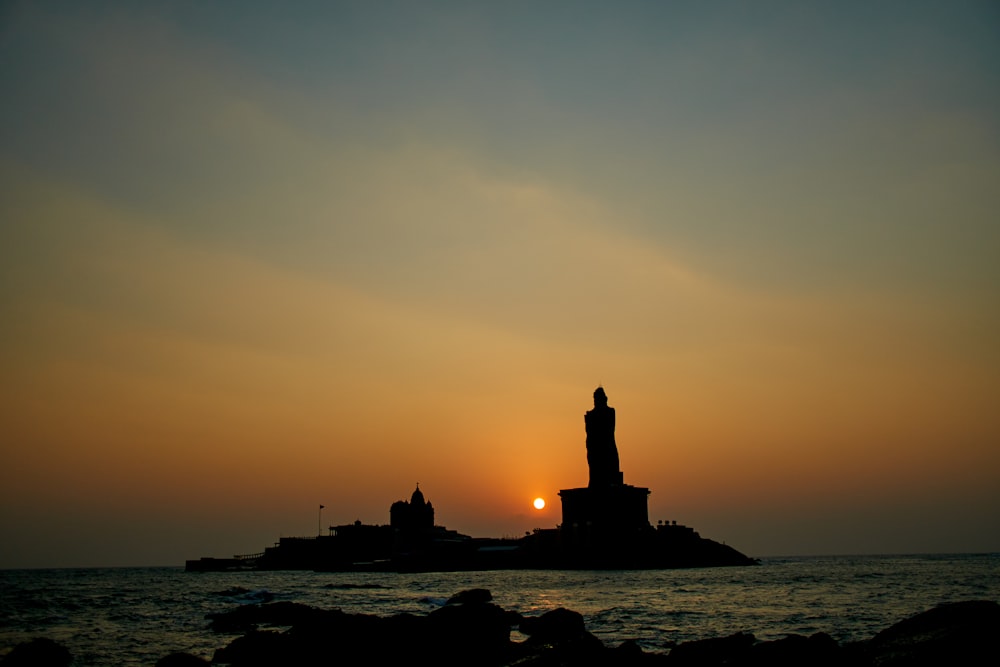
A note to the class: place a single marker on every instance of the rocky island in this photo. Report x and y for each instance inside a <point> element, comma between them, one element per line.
<point>605,525</point>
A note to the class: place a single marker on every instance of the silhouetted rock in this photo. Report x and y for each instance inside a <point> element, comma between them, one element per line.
<point>628,649</point>
<point>39,652</point>
<point>734,649</point>
<point>630,654</point>
<point>818,650</point>
<point>472,630</point>
<point>260,649</point>
<point>560,637</point>
<point>951,634</point>
<point>557,625</point>
<point>461,633</point>
<point>478,595</point>
<point>181,660</point>
<point>472,633</point>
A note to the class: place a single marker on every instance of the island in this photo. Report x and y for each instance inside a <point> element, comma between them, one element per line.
<point>605,525</point>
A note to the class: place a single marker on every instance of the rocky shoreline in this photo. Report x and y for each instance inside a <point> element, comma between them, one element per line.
<point>471,630</point>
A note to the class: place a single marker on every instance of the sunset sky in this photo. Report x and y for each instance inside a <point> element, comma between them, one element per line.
<point>258,257</point>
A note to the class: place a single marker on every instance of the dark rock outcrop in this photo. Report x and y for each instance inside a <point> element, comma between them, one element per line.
<point>181,660</point>
<point>41,652</point>
<point>468,630</point>
<point>554,627</point>
<point>950,634</point>
<point>712,651</point>
<point>818,650</point>
<point>472,630</point>
<point>261,648</point>
<point>560,637</point>
<point>473,595</point>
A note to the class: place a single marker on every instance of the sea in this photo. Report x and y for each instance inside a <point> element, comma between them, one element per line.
<point>134,616</point>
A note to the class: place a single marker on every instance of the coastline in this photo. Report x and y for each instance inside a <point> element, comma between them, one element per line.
<point>471,629</point>
<point>134,616</point>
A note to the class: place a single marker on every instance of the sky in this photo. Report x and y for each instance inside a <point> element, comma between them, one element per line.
<point>256,257</point>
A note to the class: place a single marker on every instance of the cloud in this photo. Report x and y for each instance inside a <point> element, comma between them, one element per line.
<point>214,273</point>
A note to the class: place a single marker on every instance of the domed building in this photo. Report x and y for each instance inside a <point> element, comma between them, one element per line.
<point>416,515</point>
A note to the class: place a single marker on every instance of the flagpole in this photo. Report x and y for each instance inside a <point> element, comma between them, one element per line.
<point>319,522</point>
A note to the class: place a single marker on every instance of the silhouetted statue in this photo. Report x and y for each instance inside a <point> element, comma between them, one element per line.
<point>602,452</point>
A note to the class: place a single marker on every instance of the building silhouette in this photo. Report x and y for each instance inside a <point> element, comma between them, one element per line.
<point>416,515</point>
<point>604,525</point>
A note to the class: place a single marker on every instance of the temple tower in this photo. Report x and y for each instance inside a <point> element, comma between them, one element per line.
<point>418,514</point>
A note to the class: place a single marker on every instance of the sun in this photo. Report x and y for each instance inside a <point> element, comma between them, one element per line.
<point>539,503</point>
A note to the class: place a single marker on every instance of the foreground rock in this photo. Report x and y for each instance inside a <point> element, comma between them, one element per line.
<point>475,631</point>
<point>818,650</point>
<point>951,634</point>
<point>962,633</point>
<point>40,652</point>
<point>469,630</point>
<point>472,630</point>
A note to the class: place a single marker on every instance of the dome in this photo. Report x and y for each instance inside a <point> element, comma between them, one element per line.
<point>418,497</point>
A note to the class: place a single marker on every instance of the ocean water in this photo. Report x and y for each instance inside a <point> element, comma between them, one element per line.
<point>134,616</point>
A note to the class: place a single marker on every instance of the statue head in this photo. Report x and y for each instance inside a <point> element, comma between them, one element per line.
<point>600,398</point>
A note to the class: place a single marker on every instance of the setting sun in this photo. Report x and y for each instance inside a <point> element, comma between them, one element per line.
<point>539,503</point>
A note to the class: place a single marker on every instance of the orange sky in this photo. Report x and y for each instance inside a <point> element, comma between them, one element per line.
<point>249,267</point>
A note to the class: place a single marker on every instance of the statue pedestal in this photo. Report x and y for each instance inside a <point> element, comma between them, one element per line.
<point>597,520</point>
<point>622,505</point>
